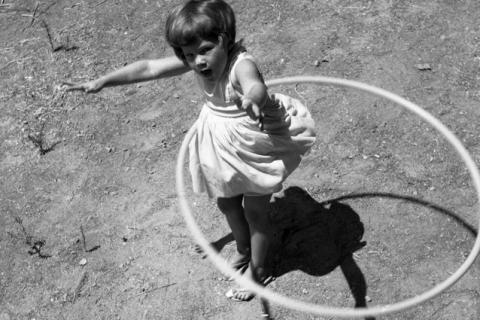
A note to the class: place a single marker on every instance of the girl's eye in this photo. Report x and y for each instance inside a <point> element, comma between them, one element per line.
<point>204,50</point>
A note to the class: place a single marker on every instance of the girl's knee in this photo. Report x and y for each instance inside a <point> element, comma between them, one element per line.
<point>230,205</point>
<point>257,209</point>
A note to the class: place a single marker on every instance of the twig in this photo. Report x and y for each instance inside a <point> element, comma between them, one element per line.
<point>34,12</point>
<point>85,243</point>
<point>28,238</point>
<point>39,142</point>
<point>27,40</point>
<point>79,286</point>
<point>36,249</point>
<point>56,48</point>
<point>83,239</point>
<point>101,2</point>
<point>50,40</point>
<point>35,246</point>
<point>149,291</point>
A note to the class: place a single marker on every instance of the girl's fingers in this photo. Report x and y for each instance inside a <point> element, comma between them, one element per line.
<point>72,86</point>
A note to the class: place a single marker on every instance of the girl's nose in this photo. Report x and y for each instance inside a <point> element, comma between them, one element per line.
<point>200,61</point>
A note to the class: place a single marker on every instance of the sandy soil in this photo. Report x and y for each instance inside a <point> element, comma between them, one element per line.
<point>381,210</point>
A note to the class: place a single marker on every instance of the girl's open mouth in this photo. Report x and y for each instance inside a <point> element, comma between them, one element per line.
<point>207,73</point>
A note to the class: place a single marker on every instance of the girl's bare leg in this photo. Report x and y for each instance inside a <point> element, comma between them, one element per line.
<point>232,208</point>
<point>258,218</point>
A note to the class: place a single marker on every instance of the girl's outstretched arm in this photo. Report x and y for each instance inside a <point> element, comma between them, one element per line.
<point>143,70</point>
<point>254,90</point>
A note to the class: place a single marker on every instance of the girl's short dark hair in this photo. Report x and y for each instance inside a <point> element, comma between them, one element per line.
<point>200,20</point>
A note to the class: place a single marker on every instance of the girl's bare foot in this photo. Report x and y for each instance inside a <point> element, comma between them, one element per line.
<point>243,294</point>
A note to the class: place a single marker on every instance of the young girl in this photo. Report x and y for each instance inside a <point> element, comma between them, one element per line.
<point>247,142</point>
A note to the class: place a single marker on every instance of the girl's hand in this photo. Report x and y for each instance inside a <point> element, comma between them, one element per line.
<point>93,86</point>
<point>253,111</point>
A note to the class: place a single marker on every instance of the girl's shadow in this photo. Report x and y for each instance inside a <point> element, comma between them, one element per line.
<point>316,238</point>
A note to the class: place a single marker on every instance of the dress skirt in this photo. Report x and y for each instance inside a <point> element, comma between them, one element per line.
<point>229,154</point>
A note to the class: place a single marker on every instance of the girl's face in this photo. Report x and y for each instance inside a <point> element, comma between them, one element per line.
<point>208,59</point>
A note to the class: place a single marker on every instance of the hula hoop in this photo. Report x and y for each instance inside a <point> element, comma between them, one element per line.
<point>277,298</point>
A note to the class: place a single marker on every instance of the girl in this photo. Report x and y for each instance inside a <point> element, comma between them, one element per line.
<point>247,142</point>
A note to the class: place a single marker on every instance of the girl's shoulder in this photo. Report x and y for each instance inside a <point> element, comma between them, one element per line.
<point>237,54</point>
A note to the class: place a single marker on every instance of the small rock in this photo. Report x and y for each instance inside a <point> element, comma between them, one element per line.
<point>423,66</point>
<point>316,63</point>
<point>368,299</point>
<point>83,262</point>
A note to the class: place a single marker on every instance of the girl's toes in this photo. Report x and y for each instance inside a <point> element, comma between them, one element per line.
<point>239,294</point>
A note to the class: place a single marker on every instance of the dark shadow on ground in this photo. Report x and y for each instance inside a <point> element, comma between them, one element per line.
<point>316,238</point>
<point>311,236</point>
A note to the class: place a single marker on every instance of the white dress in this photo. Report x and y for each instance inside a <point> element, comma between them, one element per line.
<point>230,155</point>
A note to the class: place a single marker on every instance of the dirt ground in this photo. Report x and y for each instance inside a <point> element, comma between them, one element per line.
<point>380,210</point>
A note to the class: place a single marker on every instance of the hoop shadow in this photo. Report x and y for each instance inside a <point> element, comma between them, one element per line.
<point>424,203</point>
<point>317,237</point>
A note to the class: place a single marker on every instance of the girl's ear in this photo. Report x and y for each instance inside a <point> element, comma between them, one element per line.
<point>223,41</point>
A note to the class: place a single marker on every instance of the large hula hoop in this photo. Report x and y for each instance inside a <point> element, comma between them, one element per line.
<point>277,298</point>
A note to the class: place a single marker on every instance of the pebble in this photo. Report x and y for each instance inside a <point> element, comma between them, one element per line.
<point>423,66</point>
<point>83,262</point>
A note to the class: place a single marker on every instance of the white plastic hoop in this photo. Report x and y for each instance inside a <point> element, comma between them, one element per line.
<point>277,298</point>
